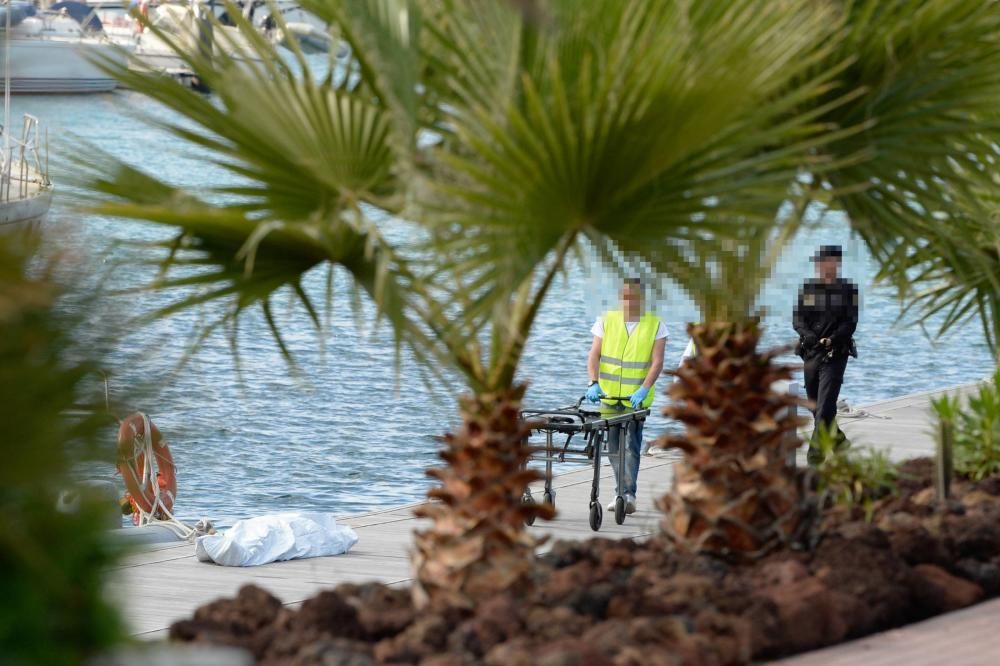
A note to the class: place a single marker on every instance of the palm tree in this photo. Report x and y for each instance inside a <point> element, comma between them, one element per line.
<point>734,493</point>
<point>517,142</point>
<point>910,154</point>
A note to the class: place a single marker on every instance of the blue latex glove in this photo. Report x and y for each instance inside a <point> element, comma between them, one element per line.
<point>594,393</point>
<point>638,397</point>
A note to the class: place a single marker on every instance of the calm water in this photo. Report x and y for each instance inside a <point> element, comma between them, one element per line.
<point>347,436</point>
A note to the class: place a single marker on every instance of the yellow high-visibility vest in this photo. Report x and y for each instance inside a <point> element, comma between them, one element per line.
<point>626,359</point>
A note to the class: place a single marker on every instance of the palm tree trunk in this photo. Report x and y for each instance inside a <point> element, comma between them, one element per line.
<point>478,545</point>
<point>734,493</point>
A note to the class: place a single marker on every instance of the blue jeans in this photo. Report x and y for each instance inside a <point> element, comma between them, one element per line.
<point>631,457</point>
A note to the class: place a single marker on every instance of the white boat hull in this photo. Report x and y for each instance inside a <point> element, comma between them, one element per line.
<point>32,207</point>
<point>58,66</point>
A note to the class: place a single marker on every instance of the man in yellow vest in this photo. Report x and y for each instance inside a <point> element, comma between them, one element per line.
<point>625,359</point>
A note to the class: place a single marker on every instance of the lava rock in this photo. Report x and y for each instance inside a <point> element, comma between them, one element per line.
<point>382,611</point>
<point>231,622</point>
<point>955,592</point>
<point>495,621</point>
<point>876,576</point>
<point>645,641</point>
<point>984,574</point>
<point>808,614</point>
<point>422,638</point>
<point>864,533</point>
<point>976,535</point>
<point>564,553</point>
<point>551,624</point>
<point>448,660</point>
<point>915,474</point>
<point>925,497</point>
<point>331,614</point>
<point>567,582</point>
<point>568,652</point>
<point>335,652</point>
<point>593,600</point>
<point>779,572</point>
<point>252,608</point>
<point>732,636</point>
<point>652,595</point>
<point>913,542</point>
<point>990,485</point>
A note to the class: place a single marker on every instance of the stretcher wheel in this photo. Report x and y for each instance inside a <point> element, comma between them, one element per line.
<point>549,499</point>
<point>596,515</point>
<point>528,499</point>
<point>619,510</point>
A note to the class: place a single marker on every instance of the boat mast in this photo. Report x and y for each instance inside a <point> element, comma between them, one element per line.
<point>6,83</point>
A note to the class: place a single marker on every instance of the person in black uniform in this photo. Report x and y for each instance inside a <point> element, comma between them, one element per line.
<point>825,318</point>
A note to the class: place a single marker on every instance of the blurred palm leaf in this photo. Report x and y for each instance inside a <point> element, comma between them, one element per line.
<point>53,564</point>
<point>591,130</point>
<point>957,272</point>
<point>313,163</point>
<point>929,121</point>
<point>582,130</point>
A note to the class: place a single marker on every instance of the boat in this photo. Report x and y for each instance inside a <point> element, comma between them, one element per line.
<point>189,26</point>
<point>301,27</point>
<point>51,52</point>
<point>306,29</point>
<point>25,188</point>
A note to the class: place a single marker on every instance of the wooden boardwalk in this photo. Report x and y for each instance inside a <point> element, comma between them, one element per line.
<point>166,583</point>
<point>162,584</point>
<point>964,638</point>
<point>902,425</point>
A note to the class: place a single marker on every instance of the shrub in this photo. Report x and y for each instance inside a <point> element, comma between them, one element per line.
<point>52,564</point>
<point>854,478</point>
<point>975,429</point>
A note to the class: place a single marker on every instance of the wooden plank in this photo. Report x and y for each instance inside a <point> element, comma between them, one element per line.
<point>966,637</point>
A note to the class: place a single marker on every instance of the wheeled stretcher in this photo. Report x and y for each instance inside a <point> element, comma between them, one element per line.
<point>587,429</point>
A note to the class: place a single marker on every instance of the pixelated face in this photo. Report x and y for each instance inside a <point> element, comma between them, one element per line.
<point>631,296</point>
<point>828,268</point>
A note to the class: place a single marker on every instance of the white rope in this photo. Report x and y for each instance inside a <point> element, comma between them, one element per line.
<point>143,446</point>
<point>845,411</point>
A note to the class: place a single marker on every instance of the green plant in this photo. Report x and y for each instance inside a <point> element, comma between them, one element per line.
<point>976,429</point>
<point>53,565</point>
<point>853,477</point>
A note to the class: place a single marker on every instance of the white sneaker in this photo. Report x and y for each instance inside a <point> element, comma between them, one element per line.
<point>630,505</point>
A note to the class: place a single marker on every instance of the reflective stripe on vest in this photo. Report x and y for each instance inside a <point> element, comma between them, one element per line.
<point>626,359</point>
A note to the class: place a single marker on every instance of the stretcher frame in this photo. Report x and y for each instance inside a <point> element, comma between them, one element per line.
<point>595,423</point>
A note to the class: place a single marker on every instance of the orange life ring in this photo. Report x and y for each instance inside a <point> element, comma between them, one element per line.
<point>132,461</point>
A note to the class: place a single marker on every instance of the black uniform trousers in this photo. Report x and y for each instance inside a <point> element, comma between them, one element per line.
<point>824,377</point>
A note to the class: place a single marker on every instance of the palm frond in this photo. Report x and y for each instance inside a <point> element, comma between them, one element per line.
<point>230,259</point>
<point>955,272</point>
<point>929,120</point>
<point>618,133</point>
<point>313,163</point>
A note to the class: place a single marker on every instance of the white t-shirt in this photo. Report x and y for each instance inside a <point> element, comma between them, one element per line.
<point>598,329</point>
